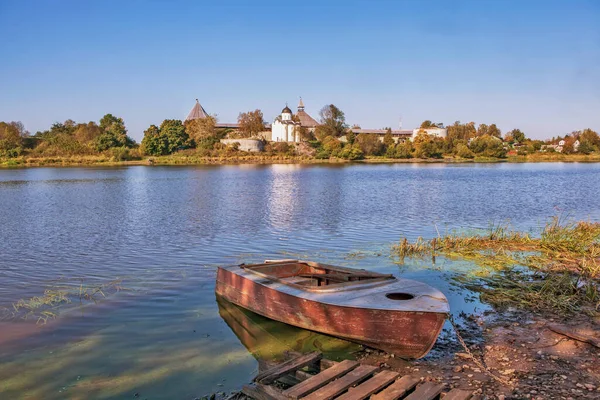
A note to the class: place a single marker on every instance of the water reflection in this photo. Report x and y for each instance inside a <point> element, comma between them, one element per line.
<point>268,340</point>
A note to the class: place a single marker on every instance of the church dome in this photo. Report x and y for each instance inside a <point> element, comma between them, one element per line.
<point>286,110</point>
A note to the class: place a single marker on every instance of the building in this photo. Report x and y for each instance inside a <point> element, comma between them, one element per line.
<point>286,126</point>
<point>439,132</point>
<point>398,135</point>
<point>284,129</point>
<point>306,120</point>
<point>198,112</point>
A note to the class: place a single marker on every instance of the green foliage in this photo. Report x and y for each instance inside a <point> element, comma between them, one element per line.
<point>350,136</point>
<point>11,138</point>
<point>153,143</point>
<point>494,131</point>
<point>169,138</point>
<point>463,151</point>
<point>462,131</point>
<point>388,140</point>
<point>589,141</point>
<point>114,134</point>
<point>428,146</point>
<point>402,150</point>
<point>488,146</point>
<point>516,135</point>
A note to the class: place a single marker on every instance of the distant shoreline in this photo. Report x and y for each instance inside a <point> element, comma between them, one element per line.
<point>25,162</point>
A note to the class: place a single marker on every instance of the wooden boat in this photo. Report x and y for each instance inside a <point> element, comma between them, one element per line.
<point>400,316</point>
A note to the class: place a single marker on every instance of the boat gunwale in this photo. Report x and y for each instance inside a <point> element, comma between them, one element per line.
<point>377,277</point>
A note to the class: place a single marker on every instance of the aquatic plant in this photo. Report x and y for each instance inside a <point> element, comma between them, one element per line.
<point>557,270</point>
<point>46,306</point>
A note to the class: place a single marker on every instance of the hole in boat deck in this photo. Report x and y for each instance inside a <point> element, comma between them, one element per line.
<point>399,296</point>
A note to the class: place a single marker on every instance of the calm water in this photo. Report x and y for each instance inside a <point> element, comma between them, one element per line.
<point>161,231</point>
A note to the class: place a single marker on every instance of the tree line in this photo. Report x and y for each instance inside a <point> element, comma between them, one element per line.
<point>331,138</point>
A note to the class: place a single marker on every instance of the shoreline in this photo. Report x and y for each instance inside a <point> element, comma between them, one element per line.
<point>94,161</point>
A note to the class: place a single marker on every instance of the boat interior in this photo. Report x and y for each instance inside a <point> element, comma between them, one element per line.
<point>312,275</point>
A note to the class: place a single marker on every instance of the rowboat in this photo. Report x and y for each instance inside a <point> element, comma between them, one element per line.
<point>399,316</point>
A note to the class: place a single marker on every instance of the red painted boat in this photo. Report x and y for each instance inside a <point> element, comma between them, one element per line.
<point>400,316</point>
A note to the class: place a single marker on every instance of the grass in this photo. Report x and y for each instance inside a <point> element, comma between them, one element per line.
<point>47,306</point>
<point>556,270</point>
<point>188,158</point>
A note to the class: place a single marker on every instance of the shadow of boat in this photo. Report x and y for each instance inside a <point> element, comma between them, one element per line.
<point>268,340</point>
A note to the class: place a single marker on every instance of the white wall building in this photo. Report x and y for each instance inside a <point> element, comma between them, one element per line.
<point>439,132</point>
<point>284,128</point>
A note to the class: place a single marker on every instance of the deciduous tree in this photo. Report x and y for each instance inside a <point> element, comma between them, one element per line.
<point>251,123</point>
<point>333,122</point>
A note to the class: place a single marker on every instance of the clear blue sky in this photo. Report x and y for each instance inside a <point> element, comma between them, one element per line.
<point>534,65</point>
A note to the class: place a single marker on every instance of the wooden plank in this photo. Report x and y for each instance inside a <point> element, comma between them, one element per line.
<point>325,363</point>
<point>284,368</point>
<point>573,334</point>
<point>477,397</point>
<point>339,386</point>
<point>318,381</point>
<point>427,391</point>
<point>398,388</point>
<point>458,394</point>
<point>373,385</point>
<point>262,392</point>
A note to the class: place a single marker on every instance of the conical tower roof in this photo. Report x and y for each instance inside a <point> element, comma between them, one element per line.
<point>197,112</point>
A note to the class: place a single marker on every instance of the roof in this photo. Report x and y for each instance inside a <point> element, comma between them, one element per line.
<point>197,112</point>
<point>300,105</point>
<point>286,110</point>
<point>404,132</point>
<point>306,120</point>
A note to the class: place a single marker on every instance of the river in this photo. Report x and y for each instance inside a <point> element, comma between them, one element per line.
<point>133,251</point>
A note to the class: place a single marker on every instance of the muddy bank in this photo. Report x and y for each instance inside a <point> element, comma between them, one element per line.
<point>518,348</point>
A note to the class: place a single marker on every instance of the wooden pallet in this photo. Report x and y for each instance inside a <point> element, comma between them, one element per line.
<point>346,380</point>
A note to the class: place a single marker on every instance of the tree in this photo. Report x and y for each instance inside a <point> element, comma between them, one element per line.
<point>174,132</point>
<point>515,136</point>
<point>463,151</point>
<point>11,138</point>
<point>251,123</point>
<point>494,131</point>
<point>488,146</point>
<point>428,146</point>
<point>153,143</point>
<point>388,140</point>
<point>589,141</point>
<point>428,124</point>
<point>202,131</point>
<point>482,129</point>
<point>350,136</point>
<point>461,131</point>
<point>370,144</point>
<point>333,122</point>
<point>114,133</point>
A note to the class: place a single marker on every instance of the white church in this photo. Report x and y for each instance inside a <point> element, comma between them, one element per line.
<point>285,128</point>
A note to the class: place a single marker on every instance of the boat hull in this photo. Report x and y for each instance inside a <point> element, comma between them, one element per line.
<point>407,334</point>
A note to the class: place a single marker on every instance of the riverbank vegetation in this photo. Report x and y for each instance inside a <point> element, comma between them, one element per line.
<point>556,270</point>
<point>199,141</point>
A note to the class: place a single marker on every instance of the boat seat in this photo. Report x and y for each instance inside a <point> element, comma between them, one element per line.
<point>298,280</point>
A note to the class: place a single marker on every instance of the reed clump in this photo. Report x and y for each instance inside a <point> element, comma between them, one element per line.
<point>47,306</point>
<point>556,270</point>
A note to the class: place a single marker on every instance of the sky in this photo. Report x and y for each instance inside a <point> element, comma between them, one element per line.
<point>527,64</point>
